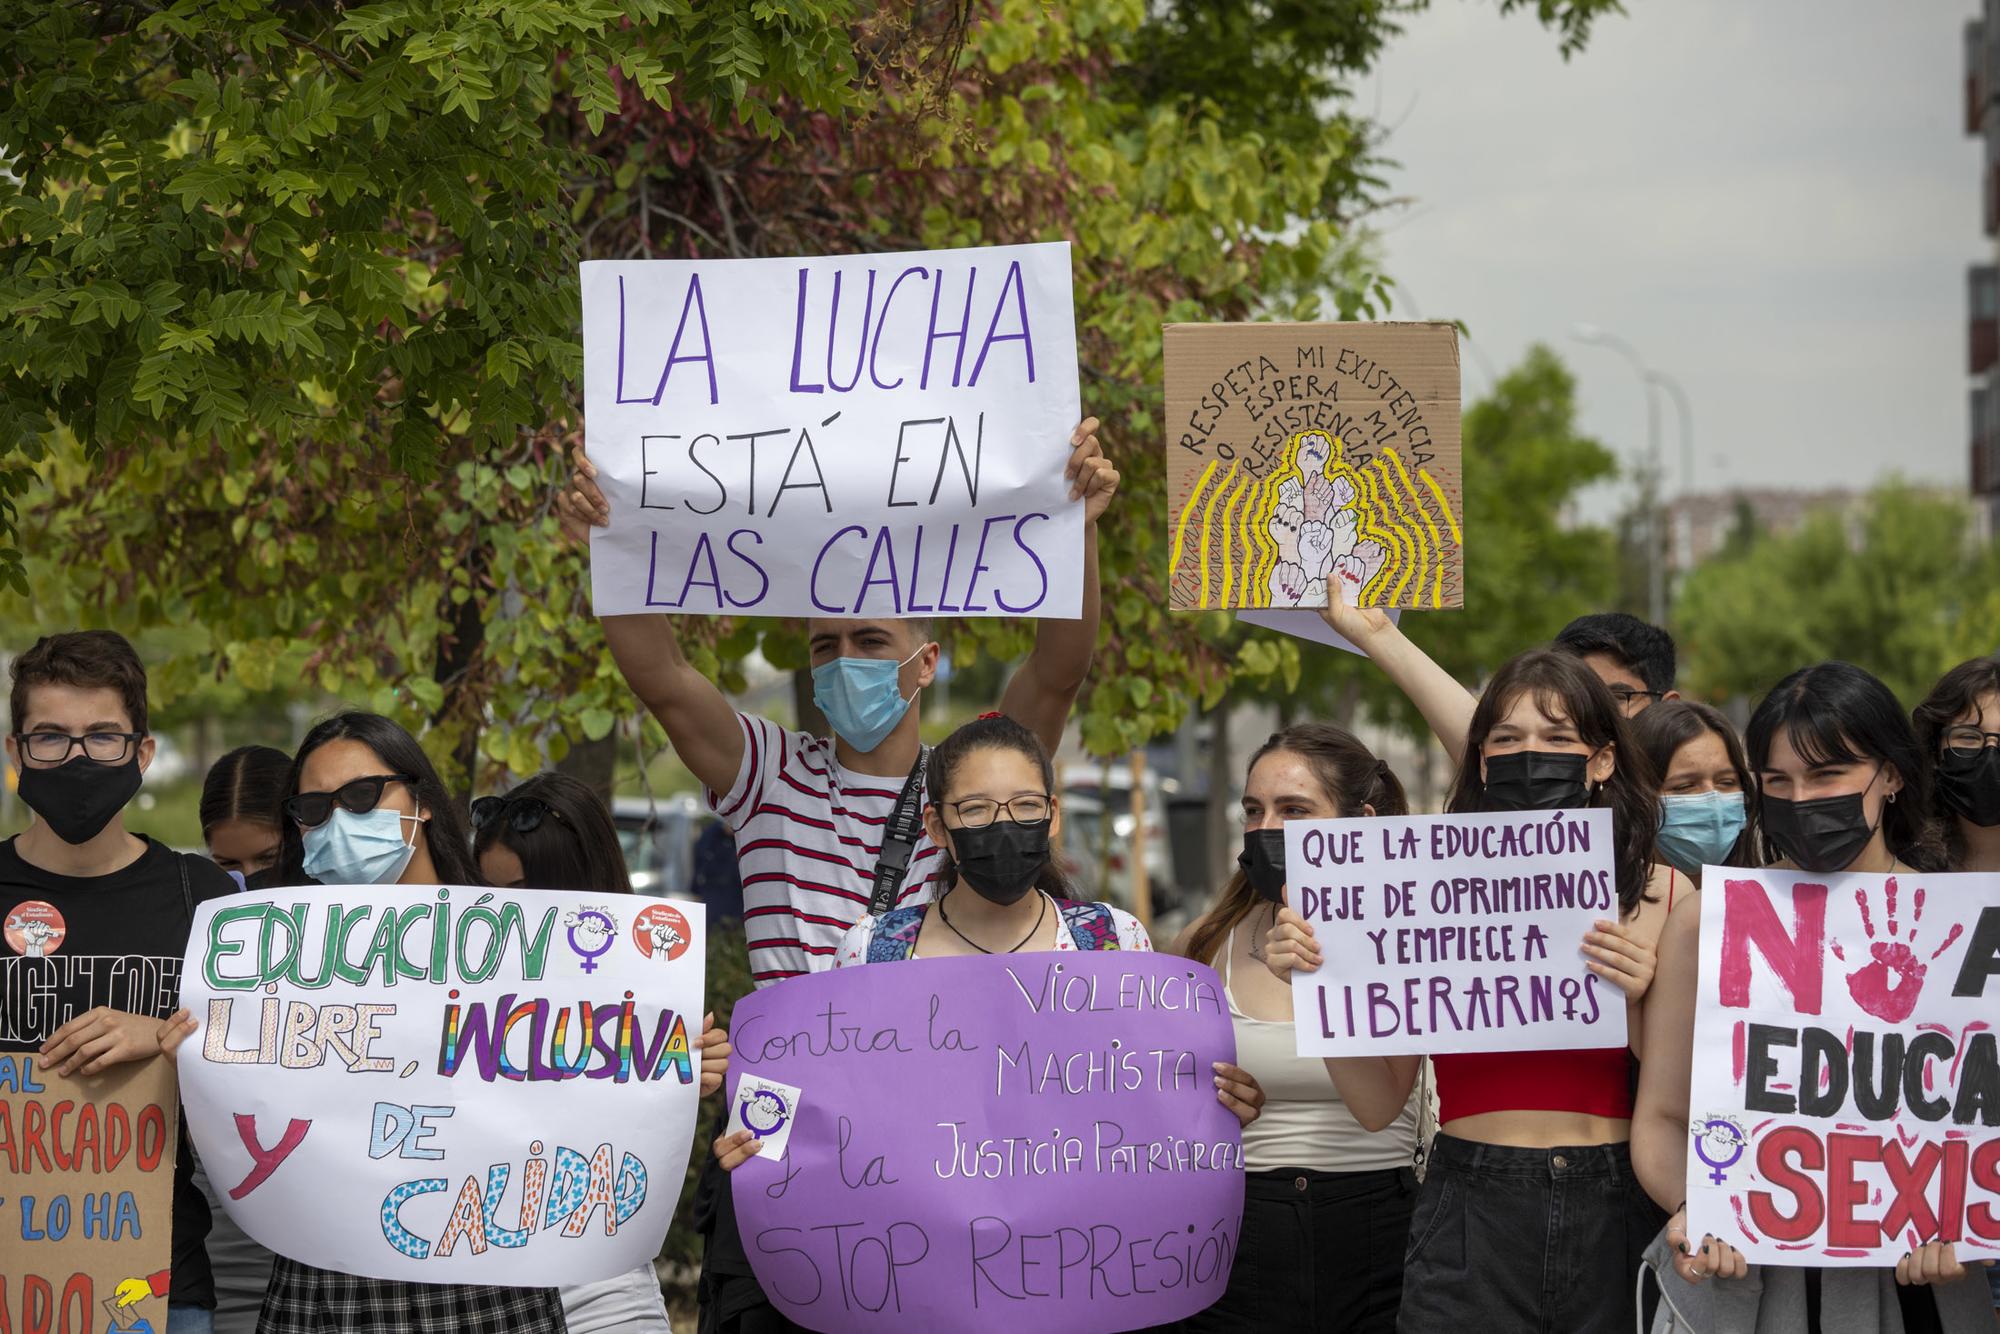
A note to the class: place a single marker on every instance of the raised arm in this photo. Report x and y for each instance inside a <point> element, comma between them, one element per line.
<point>700,721</point>
<point>1375,1088</point>
<point>1446,705</point>
<point>1043,688</point>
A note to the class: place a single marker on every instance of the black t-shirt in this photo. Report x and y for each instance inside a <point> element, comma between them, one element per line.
<point>73,943</point>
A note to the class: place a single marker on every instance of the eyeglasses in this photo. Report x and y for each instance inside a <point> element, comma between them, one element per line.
<point>309,810</point>
<point>1968,740</point>
<point>978,812</point>
<point>57,747</point>
<point>1624,695</point>
<point>528,813</point>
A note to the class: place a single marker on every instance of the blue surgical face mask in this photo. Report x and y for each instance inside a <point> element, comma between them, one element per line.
<point>861,698</point>
<point>352,849</point>
<point>1698,829</point>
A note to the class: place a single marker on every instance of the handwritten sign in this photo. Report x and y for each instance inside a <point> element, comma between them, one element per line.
<point>1845,1105</point>
<point>86,1196</point>
<point>446,1085</point>
<point>1453,933</point>
<point>865,435</point>
<point>1304,459</point>
<point>995,1144</point>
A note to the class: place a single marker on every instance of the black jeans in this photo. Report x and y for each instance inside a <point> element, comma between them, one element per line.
<point>729,1300</point>
<point>1318,1251</point>
<point>1521,1240</point>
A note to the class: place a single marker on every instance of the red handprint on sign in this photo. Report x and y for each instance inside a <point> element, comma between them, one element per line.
<point>1888,987</point>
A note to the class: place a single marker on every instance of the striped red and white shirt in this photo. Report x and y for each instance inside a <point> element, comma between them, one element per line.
<point>808,835</point>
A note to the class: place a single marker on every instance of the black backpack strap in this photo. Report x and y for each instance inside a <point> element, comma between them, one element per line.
<point>899,837</point>
<point>187,889</point>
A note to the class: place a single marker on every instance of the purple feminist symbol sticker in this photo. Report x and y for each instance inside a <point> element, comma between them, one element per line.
<point>1719,1141</point>
<point>591,931</point>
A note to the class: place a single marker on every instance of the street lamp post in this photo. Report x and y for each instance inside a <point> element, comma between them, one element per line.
<point>1684,416</point>
<point>1656,578</point>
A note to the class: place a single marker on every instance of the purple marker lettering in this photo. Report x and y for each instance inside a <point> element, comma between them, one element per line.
<point>875,343</point>
<point>812,585</point>
<point>799,342</point>
<point>902,430</point>
<point>884,543</point>
<point>763,579</point>
<point>979,565</point>
<point>860,344</point>
<point>1041,593</point>
<point>916,571</point>
<point>1011,283</point>
<point>692,302</point>
<point>958,335</point>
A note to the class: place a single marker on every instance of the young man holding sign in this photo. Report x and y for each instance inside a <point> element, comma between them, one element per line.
<point>96,917</point>
<point>813,817</point>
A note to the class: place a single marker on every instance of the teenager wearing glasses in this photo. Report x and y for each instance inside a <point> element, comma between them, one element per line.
<point>1633,659</point>
<point>994,812</point>
<point>96,918</point>
<point>552,832</point>
<point>363,806</point>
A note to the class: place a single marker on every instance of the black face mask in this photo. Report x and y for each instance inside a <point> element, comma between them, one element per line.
<point>1822,835</point>
<point>1263,862</point>
<point>1970,787</point>
<point>1001,861</point>
<point>78,798</point>
<point>1536,780</point>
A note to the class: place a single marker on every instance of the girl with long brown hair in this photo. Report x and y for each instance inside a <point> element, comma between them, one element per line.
<point>1327,1201</point>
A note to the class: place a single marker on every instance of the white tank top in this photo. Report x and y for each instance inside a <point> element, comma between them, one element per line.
<point>1304,1123</point>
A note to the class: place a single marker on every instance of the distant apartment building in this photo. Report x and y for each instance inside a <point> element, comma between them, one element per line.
<point>1698,526</point>
<point>1982,120</point>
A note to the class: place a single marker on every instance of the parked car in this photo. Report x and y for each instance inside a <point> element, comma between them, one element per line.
<point>658,836</point>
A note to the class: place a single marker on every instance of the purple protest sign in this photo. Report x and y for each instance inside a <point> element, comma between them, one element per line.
<point>1006,1143</point>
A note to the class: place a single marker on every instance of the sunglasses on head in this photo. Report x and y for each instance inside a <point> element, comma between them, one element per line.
<point>309,810</point>
<point>527,813</point>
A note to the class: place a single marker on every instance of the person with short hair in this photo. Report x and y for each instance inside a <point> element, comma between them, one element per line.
<point>96,917</point>
<point>809,814</point>
<point>1635,660</point>
<point>1843,785</point>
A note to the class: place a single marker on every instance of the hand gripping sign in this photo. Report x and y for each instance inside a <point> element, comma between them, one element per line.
<point>1845,1102</point>
<point>994,1144</point>
<point>446,1085</point>
<point>854,435</point>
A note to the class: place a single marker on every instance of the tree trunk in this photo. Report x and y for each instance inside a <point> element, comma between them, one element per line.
<point>594,763</point>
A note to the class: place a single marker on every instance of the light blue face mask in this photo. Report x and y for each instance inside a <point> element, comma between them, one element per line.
<point>352,849</point>
<point>861,698</point>
<point>1698,829</point>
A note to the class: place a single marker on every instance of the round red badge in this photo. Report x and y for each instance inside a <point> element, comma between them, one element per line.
<point>661,932</point>
<point>35,928</point>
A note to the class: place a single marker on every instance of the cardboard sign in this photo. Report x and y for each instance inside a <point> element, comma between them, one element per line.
<point>856,435</point>
<point>1307,458</point>
<point>1453,933</point>
<point>448,1085</point>
<point>86,1197</point>
<point>1845,1105</point>
<point>1026,1141</point>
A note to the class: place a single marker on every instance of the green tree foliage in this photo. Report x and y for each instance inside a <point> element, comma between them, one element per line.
<point>1528,572</point>
<point>1897,585</point>
<point>290,350</point>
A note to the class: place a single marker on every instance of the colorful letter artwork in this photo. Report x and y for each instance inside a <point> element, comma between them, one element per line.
<point>1846,1091</point>
<point>86,1197</point>
<point>452,1085</point>
<point>1309,461</point>
<point>1014,1142</point>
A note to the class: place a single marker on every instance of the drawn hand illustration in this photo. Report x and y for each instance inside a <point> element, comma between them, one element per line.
<point>1357,568</point>
<point>1315,547</point>
<point>1343,492</point>
<point>1288,584</point>
<point>1888,986</point>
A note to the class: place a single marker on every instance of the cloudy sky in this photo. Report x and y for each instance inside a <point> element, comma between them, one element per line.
<point>1774,202</point>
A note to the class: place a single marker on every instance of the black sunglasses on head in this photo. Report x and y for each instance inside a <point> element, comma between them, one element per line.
<point>527,817</point>
<point>310,810</point>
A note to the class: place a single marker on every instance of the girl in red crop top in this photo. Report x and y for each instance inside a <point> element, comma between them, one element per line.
<point>1530,1216</point>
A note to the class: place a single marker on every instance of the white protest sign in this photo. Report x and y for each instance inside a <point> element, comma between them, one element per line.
<point>1307,625</point>
<point>446,1085</point>
<point>854,435</point>
<point>1453,933</point>
<point>1845,1101</point>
